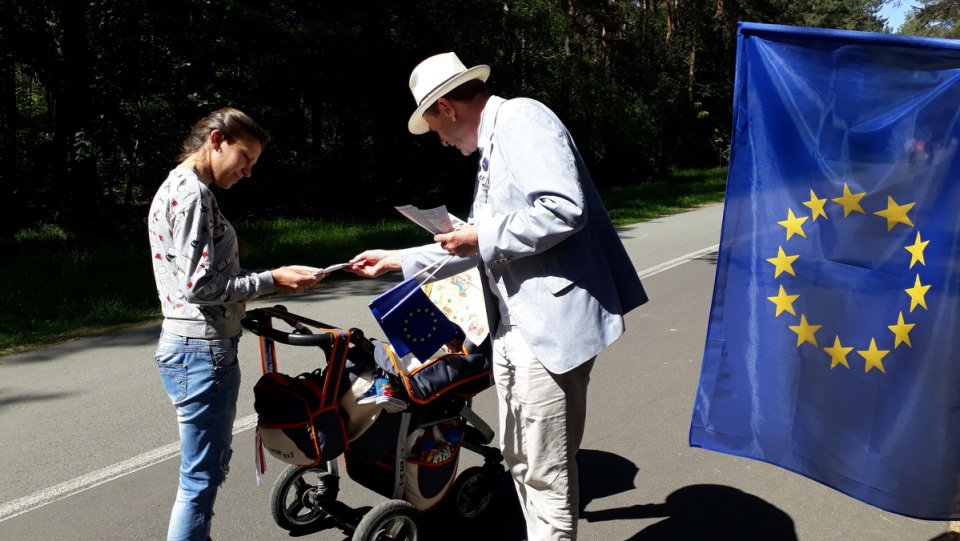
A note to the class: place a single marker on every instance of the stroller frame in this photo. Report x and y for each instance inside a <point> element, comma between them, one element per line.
<point>304,496</point>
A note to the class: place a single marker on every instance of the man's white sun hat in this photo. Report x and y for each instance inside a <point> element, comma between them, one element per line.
<point>433,78</point>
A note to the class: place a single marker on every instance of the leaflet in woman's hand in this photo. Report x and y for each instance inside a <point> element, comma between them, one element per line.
<point>332,268</point>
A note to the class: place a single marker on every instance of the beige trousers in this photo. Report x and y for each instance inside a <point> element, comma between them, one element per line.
<point>542,418</point>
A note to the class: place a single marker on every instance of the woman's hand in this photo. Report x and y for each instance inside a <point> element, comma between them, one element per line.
<point>296,278</point>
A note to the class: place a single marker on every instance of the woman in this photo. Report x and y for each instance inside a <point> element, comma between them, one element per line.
<point>203,292</point>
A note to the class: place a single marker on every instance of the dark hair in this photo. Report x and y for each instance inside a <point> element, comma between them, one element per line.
<point>233,123</point>
<point>466,92</point>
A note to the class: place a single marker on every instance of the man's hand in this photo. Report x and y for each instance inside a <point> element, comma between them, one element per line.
<point>373,263</point>
<point>295,278</point>
<point>462,242</point>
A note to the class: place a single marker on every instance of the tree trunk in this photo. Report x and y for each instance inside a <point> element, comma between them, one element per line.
<point>72,108</point>
<point>671,21</point>
<point>8,132</point>
<point>693,63</point>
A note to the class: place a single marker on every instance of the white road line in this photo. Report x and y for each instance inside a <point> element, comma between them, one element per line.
<point>79,484</point>
<point>657,269</point>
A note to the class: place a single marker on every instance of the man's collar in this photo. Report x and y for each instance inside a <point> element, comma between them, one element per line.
<point>488,120</point>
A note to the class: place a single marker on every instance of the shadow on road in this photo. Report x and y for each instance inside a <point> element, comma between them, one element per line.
<point>715,512</point>
<point>8,399</point>
<point>603,474</point>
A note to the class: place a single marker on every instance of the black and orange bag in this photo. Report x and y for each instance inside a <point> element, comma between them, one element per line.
<point>298,417</point>
<point>296,421</point>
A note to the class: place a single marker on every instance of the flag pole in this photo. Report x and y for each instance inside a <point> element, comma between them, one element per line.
<point>436,265</point>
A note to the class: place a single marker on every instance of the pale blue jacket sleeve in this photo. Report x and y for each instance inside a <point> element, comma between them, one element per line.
<point>541,203</point>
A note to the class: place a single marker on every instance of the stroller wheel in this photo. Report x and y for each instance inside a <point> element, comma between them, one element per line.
<point>296,493</point>
<point>472,492</point>
<point>392,520</point>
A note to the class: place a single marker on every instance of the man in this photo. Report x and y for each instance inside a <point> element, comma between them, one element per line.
<point>557,278</point>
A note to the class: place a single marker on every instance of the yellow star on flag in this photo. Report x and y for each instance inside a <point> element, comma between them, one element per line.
<point>902,331</point>
<point>916,251</point>
<point>784,302</point>
<point>896,214</point>
<point>873,356</point>
<point>805,331</point>
<point>917,293</point>
<point>838,353</point>
<point>783,262</point>
<point>850,201</point>
<point>816,205</point>
<point>793,224</point>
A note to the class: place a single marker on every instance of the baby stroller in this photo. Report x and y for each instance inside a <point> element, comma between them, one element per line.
<point>409,457</point>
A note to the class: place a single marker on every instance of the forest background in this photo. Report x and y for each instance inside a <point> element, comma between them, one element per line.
<point>96,97</point>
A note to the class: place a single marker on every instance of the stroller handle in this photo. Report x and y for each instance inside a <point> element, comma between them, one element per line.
<point>258,322</point>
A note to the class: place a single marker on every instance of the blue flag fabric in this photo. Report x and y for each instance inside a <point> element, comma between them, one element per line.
<point>410,320</point>
<point>833,347</point>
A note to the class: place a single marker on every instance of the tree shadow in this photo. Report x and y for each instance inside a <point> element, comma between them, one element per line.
<point>7,399</point>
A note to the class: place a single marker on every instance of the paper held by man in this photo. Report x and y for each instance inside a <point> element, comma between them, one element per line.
<point>436,220</point>
<point>458,298</point>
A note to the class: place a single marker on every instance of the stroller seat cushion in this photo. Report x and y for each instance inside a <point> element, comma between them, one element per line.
<point>461,374</point>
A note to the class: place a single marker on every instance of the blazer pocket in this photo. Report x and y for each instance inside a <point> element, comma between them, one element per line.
<point>557,284</point>
<point>559,274</point>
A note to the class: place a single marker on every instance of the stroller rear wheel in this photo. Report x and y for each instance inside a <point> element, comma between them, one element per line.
<point>392,520</point>
<point>296,493</point>
<point>472,492</point>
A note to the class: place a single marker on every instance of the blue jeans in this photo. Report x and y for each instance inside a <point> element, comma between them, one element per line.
<point>202,378</point>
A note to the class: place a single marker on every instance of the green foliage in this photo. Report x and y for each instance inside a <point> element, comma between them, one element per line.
<point>934,18</point>
<point>107,89</point>
<point>80,288</point>
<point>76,288</point>
<point>46,233</point>
<point>680,191</point>
<point>841,14</point>
<point>274,242</point>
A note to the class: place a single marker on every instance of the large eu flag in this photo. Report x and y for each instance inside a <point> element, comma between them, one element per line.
<point>833,347</point>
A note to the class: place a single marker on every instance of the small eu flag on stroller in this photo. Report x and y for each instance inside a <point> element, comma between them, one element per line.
<point>412,323</point>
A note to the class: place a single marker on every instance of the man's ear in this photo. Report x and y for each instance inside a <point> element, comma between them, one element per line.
<point>447,106</point>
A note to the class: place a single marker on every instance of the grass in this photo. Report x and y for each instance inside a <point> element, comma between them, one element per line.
<point>681,191</point>
<point>62,288</point>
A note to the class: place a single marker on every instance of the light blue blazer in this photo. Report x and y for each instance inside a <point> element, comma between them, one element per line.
<point>545,239</point>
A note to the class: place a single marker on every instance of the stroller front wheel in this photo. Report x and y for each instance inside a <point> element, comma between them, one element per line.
<point>296,493</point>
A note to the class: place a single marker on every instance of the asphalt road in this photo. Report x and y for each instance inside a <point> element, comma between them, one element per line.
<point>88,439</point>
